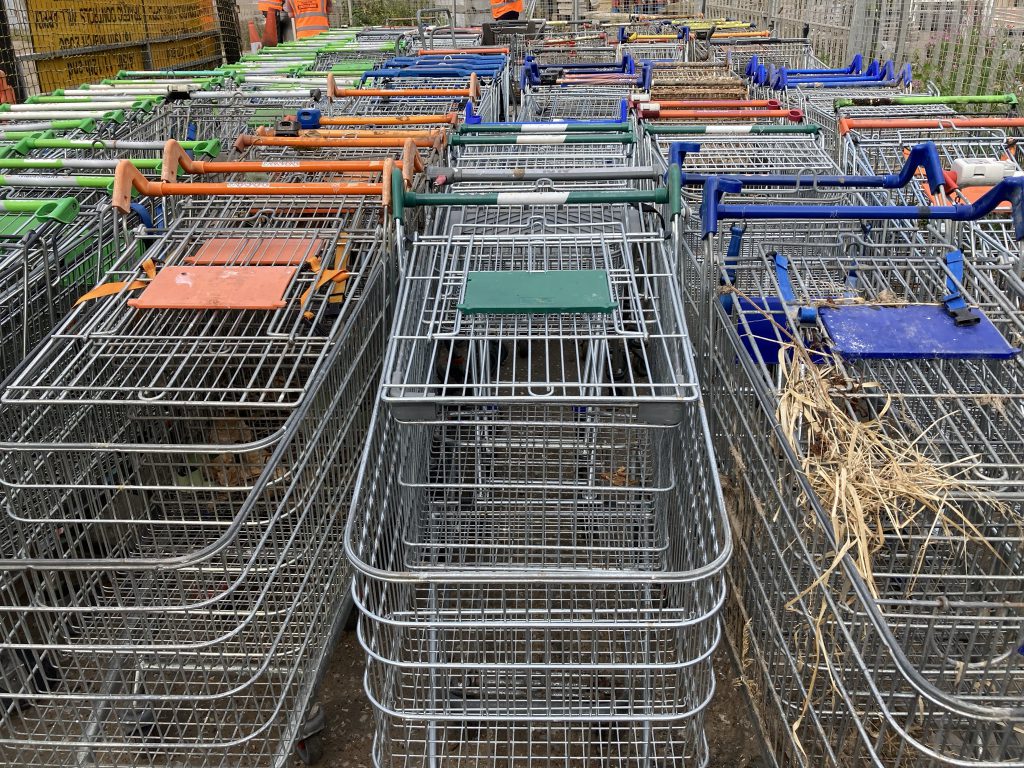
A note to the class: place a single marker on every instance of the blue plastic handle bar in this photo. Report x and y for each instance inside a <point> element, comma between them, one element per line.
<point>923,156</point>
<point>143,214</point>
<point>886,76</point>
<point>790,79</point>
<point>713,210</point>
<point>874,71</point>
<point>864,84</point>
<point>647,78</point>
<point>853,68</point>
<point>803,314</point>
<point>781,83</point>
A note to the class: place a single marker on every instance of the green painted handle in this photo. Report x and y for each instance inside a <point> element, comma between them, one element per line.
<point>140,102</point>
<point>63,209</point>
<point>22,163</point>
<point>209,148</point>
<point>85,182</point>
<point>985,98</point>
<point>126,74</point>
<point>86,126</point>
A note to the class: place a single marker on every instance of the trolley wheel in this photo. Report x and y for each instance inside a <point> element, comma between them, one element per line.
<point>310,749</point>
<point>309,746</point>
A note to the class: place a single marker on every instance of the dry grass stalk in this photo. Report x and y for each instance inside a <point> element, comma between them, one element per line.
<point>871,485</point>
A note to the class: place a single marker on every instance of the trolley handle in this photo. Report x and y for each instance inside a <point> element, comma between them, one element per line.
<point>128,178</point>
<point>655,111</point>
<point>175,158</point>
<point>670,194</point>
<point>745,41</point>
<point>441,176</point>
<point>62,209</point>
<point>888,77</point>
<point>112,115</point>
<point>472,91</point>
<point>483,50</point>
<point>30,130</point>
<point>155,74</point>
<point>22,163</point>
<point>739,129</point>
<point>27,145</point>
<point>535,138</point>
<point>432,139</point>
<point>921,157</point>
<point>767,74</point>
<point>37,181</point>
<point>424,72</point>
<point>754,34</point>
<point>313,119</point>
<point>99,100</point>
<point>713,210</point>
<point>847,124</point>
<point>888,101</point>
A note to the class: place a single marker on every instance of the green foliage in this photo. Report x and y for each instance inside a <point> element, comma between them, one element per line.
<point>375,12</point>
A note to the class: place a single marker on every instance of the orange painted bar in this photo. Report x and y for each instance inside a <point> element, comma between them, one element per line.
<point>127,177</point>
<point>330,142</point>
<point>848,124</point>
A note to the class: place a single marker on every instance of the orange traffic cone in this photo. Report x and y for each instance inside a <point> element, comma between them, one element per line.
<point>6,91</point>
<point>270,30</point>
<point>254,38</point>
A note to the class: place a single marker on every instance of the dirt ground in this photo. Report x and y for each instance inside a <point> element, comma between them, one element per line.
<point>349,732</point>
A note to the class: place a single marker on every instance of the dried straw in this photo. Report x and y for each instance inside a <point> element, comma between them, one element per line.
<point>871,484</point>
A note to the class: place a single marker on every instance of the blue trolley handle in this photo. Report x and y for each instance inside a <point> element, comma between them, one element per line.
<point>713,210</point>
<point>923,156</point>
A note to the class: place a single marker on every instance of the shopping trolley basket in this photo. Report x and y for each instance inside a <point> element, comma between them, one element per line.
<point>976,153</point>
<point>900,651</point>
<point>177,570</point>
<point>455,613</point>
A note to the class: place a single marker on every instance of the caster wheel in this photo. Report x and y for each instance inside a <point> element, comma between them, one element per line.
<point>310,749</point>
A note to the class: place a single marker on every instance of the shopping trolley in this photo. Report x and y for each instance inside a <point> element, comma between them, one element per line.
<point>411,97</point>
<point>692,81</point>
<point>177,570</point>
<point>500,431</point>
<point>901,652</point>
<point>976,153</point>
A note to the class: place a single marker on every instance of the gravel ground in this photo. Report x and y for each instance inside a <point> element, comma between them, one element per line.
<point>349,733</point>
